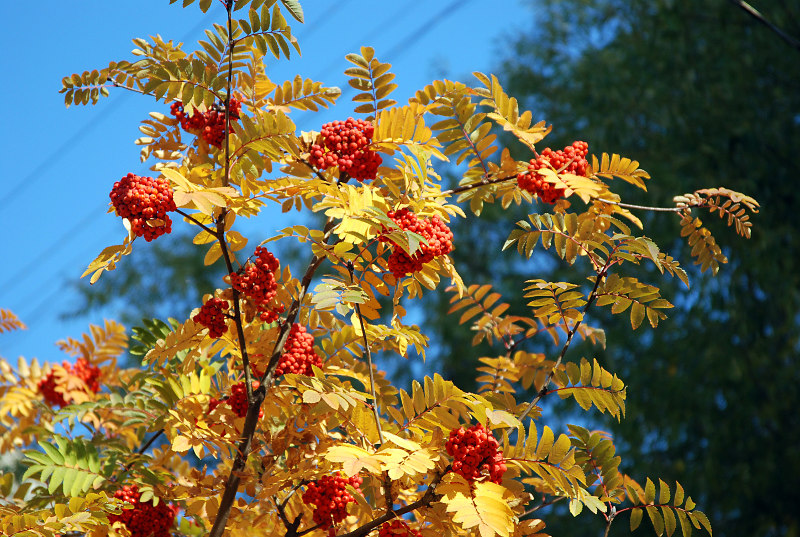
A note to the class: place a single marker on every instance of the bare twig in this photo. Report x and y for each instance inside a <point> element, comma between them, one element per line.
<point>643,207</point>
<point>753,12</point>
<point>375,405</point>
<point>471,186</point>
<point>198,223</point>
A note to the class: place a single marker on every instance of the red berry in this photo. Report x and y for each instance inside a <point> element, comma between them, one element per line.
<point>145,519</point>
<point>572,160</point>
<point>329,495</point>
<point>299,353</point>
<point>398,528</point>
<point>436,232</point>
<point>83,369</point>
<point>145,202</point>
<point>238,399</point>
<point>210,125</point>
<point>212,317</point>
<point>256,280</point>
<point>346,144</point>
<point>475,454</point>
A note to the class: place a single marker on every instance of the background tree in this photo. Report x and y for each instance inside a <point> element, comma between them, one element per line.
<point>710,95</point>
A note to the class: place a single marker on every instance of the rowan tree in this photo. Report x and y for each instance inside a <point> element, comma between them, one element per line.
<point>270,381</point>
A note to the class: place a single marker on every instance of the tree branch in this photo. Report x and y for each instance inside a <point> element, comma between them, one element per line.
<point>368,354</point>
<point>543,390</point>
<point>643,207</point>
<point>753,12</point>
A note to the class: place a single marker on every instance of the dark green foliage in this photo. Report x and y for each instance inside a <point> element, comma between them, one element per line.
<point>704,95</point>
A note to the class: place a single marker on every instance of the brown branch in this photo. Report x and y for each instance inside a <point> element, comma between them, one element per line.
<point>471,186</point>
<point>254,400</point>
<point>198,223</point>
<point>543,390</point>
<point>543,505</point>
<point>139,451</point>
<point>427,498</point>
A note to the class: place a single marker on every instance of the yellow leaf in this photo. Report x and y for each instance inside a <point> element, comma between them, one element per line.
<point>353,459</point>
<point>181,444</point>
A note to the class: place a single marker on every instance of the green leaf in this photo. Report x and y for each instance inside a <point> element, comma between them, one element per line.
<point>669,520</point>
<point>656,519</point>
<point>649,492</point>
<point>663,496</point>
<point>636,518</point>
<point>686,526</point>
<point>295,9</point>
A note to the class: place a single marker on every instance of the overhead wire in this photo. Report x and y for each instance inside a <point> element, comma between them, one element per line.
<point>398,50</point>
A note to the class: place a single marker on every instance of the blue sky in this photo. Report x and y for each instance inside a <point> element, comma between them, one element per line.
<point>60,164</point>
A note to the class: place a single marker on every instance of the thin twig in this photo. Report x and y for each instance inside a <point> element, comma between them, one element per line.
<point>484,182</point>
<point>543,390</point>
<point>643,207</point>
<point>139,451</point>
<point>753,12</point>
<point>198,223</point>
<point>427,498</point>
<point>543,505</point>
<point>254,401</point>
<point>368,354</point>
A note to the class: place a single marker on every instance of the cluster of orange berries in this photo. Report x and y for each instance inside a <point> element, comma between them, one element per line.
<point>210,125</point>
<point>435,231</point>
<point>330,496</point>
<point>299,353</point>
<point>82,369</point>
<point>212,316</point>
<point>475,454</point>
<point>145,202</point>
<point>256,280</point>
<point>145,519</point>
<point>346,144</point>
<point>398,528</point>
<point>572,159</point>
<point>237,400</point>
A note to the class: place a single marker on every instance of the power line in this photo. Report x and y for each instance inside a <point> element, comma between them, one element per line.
<point>57,244</point>
<point>37,173</point>
<point>399,50</point>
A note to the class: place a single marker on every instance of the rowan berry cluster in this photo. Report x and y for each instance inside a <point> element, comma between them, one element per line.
<point>435,231</point>
<point>329,495</point>
<point>212,316</point>
<point>398,528</point>
<point>572,159</point>
<point>145,202</point>
<point>475,454</point>
<point>47,387</point>
<point>210,125</point>
<point>346,144</point>
<point>82,369</point>
<point>145,519</point>
<point>299,353</point>
<point>237,400</point>
<point>256,280</point>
